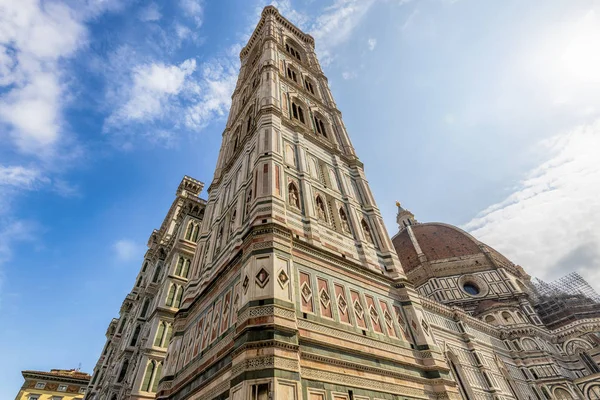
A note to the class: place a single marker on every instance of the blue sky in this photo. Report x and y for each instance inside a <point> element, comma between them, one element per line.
<point>480,114</point>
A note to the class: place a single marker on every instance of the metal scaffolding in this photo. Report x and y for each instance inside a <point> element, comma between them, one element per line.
<point>565,300</point>
<point>571,284</point>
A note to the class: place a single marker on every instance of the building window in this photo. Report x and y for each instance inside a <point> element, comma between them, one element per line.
<point>145,308</point>
<point>33,397</point>
<point>40,385</point>
<point>320,126</point>
<point>56,398</point>
<point>292,51</point>
<point>471,289</point>
<point>490,319</point>
<point>259,391</point>
<point>62,388</point>
<point>123,371</point>
<point>152,376</point>
<point>308,85</point>
<point>135,335</point>
<point>297,112</point>
<point>292,74</point>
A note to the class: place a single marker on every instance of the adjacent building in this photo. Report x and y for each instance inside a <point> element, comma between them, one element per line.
<point>293,288</point>
<point>131,362</point>
<point>58,384</point>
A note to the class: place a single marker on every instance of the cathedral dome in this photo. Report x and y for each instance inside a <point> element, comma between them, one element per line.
<point>436,242</point>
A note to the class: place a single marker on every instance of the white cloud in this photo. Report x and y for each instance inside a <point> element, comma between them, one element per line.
<point>372,42</point>
<point>149,92</point>
<point>336,25</point>
<point>150,13</point>
<point>193,9</point>
<point>21,177</point>
<point>217,82</point>
<point>127,250</point>
<point>549,223</point>
<point>349,75</point>
<point>33,40</point>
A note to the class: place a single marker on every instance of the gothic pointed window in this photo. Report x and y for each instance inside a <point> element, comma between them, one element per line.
<point>300,114</point>
<point>148,376</point>
<point>171,296</point>
<point>156,274</point>
<point>139,282</point>
<point>309,86</point>
<point>179,266</point>
<point>157,376</point>
<point>136,334</point>
<point>321,209</point>
<point>160,333</point>
<point>178,297</point>
<point>293,197</point>
<point>186,268</point>
<point>189,231</point>
<point>196,232</point>
<point>320,125</point>
<point>123,371</point>
<point>145,308</point>
<point>294,110</point>
<point>122,326</point>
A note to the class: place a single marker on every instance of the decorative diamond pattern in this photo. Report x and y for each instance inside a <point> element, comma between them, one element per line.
<point>342,305</point>
<point>262,278</point>
<point>283,278</point>
<point>358,309</point>
<point>388,318</point>
<point>306,292</point>
<point>374,315</point>
<point>245,284</point>
<point>324,297</point>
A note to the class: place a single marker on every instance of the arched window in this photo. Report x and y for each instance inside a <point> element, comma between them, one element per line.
<point>290,48</point>
<point>178,297</point>
<point>189,231</point>
<point>136,334</point>
<point>507,317</point>
<point>145,308</point>
<point>156,274</point>
<point>292,74</point>
<point>171,296</point>
<point>594,392</point>
<point>160,334</point>
<point>320,126</point>
<point>157,376</point>
<point>122,325</point>
<point>147,382</point>
<point>186,268</point>
<point>179,266</point>
<point>293,197</point>
<point>521,317</point>
<point>367,231</point>
<point>562,394</point>
<point>321,213</point>
<point>309,86</point>
<point>123,371</point>
<point>490,319</point>
<point>297,112</point>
